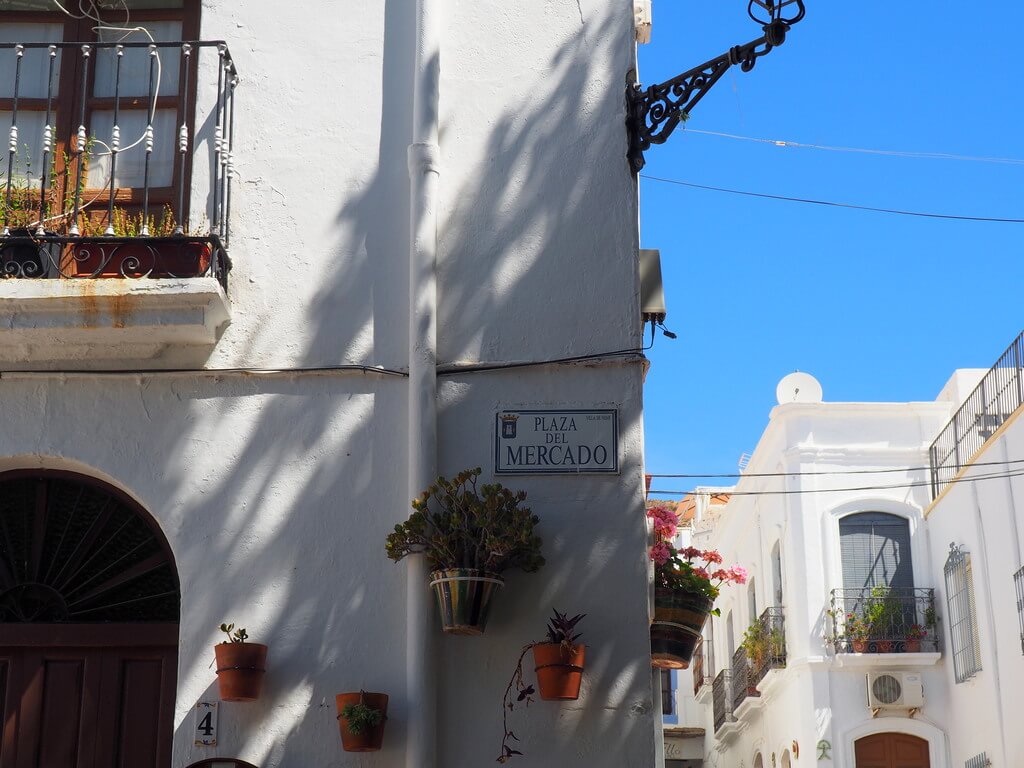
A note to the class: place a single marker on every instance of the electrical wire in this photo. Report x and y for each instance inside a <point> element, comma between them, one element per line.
<point>456,368</point>
<point>830,203</point>
<point>860,150</point>
<point>87,373</point>
<point>826,472</point>
<point>449,370</point>
<point>801,491</point>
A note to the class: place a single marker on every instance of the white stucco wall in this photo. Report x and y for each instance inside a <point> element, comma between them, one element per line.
<point>276,491</point>
<point>985,518</point>
<point>816,697</point>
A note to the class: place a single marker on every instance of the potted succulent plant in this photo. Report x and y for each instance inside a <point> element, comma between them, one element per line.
<point>361,719</point>
<point>469,534</point>
<point>240,665</point>
<point>558,663</point>
<point>686,584</point>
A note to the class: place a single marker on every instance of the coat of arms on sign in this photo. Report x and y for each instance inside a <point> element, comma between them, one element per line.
<point>508,425</point>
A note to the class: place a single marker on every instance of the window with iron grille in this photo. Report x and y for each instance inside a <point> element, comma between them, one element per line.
<point>667,694</point>
<point>978,761</point>
<point>963,619</point>
<point>1018,582</point>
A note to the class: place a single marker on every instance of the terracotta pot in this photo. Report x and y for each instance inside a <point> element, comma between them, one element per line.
<point>240,670</point>
<point>675,631</point>
<point>559,670</point>
<point>371,739</point>
<point>859,646</point>
<point>464,598</point>
<point>912,645</point>
<point>883,646</point>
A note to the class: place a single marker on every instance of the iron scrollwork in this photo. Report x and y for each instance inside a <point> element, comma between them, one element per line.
<point>655,112</point>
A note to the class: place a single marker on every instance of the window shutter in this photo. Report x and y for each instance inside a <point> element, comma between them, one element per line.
<point>875,551</point>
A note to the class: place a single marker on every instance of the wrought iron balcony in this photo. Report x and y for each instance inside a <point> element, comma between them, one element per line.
<point>994,400</point>
<point>105,176</point>
<point>722,700</point>
<point>883,620</point>
<point>743,684</point>
<point>771,642</point>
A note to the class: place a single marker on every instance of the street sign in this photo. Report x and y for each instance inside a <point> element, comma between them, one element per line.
<point>547,442</point>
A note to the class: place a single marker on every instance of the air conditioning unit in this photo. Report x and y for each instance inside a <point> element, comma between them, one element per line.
<point>887,690</point>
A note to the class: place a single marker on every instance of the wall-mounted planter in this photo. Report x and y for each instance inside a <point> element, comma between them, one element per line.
<point>678,620</point>
<point>464,599</point>
<point>240,670</point>
<point>559,670</point>
<point>368,738</point>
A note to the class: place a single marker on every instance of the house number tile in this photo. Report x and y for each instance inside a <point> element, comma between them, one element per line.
<point>206,724</point>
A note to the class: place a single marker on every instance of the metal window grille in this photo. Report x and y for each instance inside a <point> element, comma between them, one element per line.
<point>1018,582</point>
<point>978,761</point>
<point>667,694</point>
<point>963,621</point>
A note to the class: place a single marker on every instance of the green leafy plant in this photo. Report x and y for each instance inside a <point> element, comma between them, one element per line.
<point>458,524</point>
<point>361,717</point>
<point>236,636</point>
<point>761,642</point>
<point>560,630</point>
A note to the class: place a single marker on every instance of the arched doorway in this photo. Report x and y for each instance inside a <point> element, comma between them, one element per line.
<point>89,605</point>
<point>891,750</point>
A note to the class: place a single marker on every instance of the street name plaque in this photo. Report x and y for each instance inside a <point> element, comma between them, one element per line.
<point>563,442</point>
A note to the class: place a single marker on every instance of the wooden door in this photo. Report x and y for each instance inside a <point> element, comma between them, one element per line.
<point>100,705</point>
<point>891,750</point>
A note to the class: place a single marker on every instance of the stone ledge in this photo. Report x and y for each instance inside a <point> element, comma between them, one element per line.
<point>870,660</point>
<point>87,320</point>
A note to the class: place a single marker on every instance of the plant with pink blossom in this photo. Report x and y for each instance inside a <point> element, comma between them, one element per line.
<point>689,569</point>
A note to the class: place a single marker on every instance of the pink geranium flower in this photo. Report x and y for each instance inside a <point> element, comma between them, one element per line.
<point>661,553</point>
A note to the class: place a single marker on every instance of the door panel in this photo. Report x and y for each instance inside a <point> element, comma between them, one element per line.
<point>88,707</point>
<point>891,750</point>
<point>60,722</point>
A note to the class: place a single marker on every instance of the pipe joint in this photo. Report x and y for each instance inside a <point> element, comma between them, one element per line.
<point>424,157</point>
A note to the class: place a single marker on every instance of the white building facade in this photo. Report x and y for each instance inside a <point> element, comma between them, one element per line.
<point>421,204</point>
<point>845,506</point>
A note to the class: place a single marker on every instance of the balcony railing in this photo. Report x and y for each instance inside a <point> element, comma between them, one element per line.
<point>772,633</point>
<point>1000,393</point>
<point>742,678</point>
<point>883,620</point>
<point>721,699</point>
<point>104,175</point>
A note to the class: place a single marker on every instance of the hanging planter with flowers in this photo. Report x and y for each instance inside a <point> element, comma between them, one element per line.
<point>686,584</point>
<point>470,535</point>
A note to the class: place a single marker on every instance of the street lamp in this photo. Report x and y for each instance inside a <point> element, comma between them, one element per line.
<point>653,114</point>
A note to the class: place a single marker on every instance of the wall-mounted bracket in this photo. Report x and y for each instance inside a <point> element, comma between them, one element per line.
<point>653,113</point>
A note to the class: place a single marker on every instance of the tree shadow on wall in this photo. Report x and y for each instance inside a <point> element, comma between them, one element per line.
<point>544,213</point>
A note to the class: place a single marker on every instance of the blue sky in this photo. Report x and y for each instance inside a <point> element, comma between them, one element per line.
<point>877,307</point>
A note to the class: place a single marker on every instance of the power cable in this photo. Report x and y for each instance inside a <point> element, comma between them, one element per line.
<point>830,203</point>
<point>860,150</point>
<point>800,491</point>
<point>825,472</point>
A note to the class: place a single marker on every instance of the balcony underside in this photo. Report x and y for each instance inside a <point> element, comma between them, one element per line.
<point>50,323</point>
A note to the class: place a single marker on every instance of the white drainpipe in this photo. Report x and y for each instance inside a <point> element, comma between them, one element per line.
<point>424,172</point>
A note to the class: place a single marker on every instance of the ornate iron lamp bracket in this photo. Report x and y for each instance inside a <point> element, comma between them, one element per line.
<point>652,114</point>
